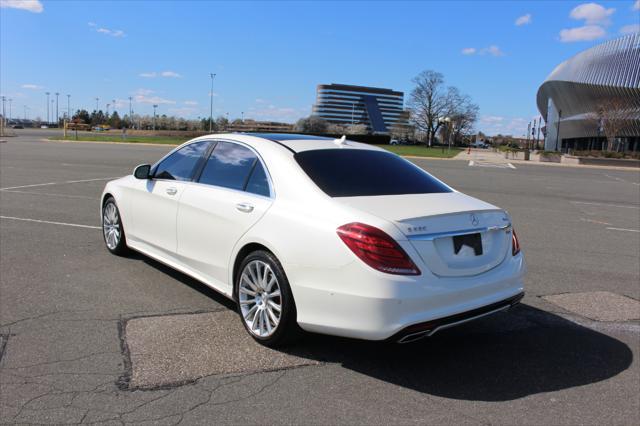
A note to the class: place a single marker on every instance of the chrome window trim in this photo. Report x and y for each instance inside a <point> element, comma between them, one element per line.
<point>435,235</point>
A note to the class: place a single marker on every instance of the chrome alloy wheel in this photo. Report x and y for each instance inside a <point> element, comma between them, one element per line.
<point>111,226</point>
<point>260,298</point>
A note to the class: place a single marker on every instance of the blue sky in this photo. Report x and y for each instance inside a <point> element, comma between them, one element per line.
<point>269,56</point>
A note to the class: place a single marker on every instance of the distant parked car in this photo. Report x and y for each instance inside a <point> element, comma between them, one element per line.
<point>17,126</point>
<point>44,127</point>
<point>480,144</point>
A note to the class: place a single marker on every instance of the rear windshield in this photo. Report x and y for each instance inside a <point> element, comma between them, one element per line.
<point>355,172</point>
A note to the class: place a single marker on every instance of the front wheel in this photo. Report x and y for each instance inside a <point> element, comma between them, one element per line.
<point>265,302</point>
<point>112,228</point>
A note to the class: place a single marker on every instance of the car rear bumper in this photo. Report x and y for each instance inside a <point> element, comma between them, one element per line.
<point>361,303</point>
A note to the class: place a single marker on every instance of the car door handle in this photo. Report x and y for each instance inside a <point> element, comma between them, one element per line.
<point>172,191</point>
<point>244,207</point>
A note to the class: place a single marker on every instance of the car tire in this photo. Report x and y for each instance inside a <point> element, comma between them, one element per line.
<point>265,302</point>
<point>113,229</point>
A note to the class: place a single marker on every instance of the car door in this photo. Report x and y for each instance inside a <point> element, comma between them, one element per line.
<point>155,204</point>
<point>232,193</point>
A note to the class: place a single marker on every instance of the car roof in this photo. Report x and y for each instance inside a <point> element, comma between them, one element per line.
<point>299,142</point>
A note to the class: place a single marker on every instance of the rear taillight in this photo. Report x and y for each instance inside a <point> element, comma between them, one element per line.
<point>377,249</point>
<point>515,244</point>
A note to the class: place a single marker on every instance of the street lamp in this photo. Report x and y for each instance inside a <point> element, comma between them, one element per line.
<point>242,115</point>
<point>57,116</point>
<point>10,100</point>
<point>68,107</point>
<point>47,93</point>
<point>211,101</point>
<point>97,100</point>
<point>446,121</point>
<point>154,116</point>
<point>108,110</point>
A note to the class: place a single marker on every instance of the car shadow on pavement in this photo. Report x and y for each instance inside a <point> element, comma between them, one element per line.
<point>500,358</point>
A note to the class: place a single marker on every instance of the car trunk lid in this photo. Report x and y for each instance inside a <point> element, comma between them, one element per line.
<point>454,234</point>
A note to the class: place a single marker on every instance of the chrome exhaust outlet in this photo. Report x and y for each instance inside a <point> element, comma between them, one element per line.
<point>414,336</point>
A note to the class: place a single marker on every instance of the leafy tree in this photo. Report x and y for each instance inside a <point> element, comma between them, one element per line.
<point>115,121</point>
<point>82,116</point>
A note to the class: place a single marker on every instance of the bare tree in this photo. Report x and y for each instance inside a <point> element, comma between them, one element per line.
<point>311,125</point>
<point>612,118</point>
<point>428,103</point>
<point>431,100</point>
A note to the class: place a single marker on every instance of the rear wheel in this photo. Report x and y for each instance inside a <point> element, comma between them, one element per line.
<point>112,228</point>
<point>265,302</point>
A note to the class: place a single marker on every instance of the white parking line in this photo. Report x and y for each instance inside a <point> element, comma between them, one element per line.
<point>604,204</point>
<point>621,180</point>
<point>50,194</point>
<point>24,219</point>
<point>58,183</point>
<point>623,229</point>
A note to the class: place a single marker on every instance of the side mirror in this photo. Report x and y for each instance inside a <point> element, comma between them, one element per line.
<point>142,171</point>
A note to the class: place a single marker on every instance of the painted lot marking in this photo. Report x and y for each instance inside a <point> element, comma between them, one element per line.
<point>604,204</point>
<point>621,180</point>
<point>50,194</point>
<point>623,229</point>
<point>24,219</point>
<point>58,183</point>
<point>480,163</point>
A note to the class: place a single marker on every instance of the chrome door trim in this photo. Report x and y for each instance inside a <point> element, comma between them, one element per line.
<point>435,235</point>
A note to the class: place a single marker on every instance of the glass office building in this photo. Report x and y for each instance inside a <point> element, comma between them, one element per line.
<point>379,109</point>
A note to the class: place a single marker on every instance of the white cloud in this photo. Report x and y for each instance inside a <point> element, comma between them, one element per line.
<point>586,33</point>
<point>630,29</point>
<point>29,5</point>
<point>636,5</point>
<point>523,20</point>
<point>31,86</point>
<point>493,125</point>
<point>107,31</point>
<point>167,74</point>
<point>492,50</point>
<point>144,96</point>
<point>192,103</point>
<point>170,74</point>
<point>592,13</point>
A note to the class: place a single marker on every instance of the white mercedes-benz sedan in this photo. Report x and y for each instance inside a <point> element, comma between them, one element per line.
<point>318,234</point>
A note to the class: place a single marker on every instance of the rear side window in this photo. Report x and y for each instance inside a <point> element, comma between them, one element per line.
<point>354,173</point>
<point>258,182</point>
<point>229,166</point>
<point>181,164</point>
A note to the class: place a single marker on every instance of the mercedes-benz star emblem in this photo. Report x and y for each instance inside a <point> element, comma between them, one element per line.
<point>474,219</point>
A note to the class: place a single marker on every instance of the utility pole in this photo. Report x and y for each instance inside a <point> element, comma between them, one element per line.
<point>68,107</point>
<point>154,116</point>
<point>57,116</point>
<point>47,93</point>
<point>211,101</point>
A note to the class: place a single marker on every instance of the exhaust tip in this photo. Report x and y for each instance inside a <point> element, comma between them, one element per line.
<point>414,336</point>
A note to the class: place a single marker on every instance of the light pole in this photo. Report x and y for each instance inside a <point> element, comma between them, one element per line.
<point>57,116</point>
<point>446,122</point>
<point>242,115</point>
<point>25,112</point>
<point>154,116</point>
<point>10,100</point>
<point>97,100</point>
<point>68,107</point>
<point>47,93</point>
<point>52,101</point>
<point>3,118</point>
<point>211,102</point>
<point>108,110</point>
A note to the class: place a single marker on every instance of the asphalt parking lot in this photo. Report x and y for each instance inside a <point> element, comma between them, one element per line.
<point>87,337</point>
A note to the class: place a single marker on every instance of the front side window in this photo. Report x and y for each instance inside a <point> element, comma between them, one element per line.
<point>359,172</point>
<point>181,164</point>
<point>229,166</point>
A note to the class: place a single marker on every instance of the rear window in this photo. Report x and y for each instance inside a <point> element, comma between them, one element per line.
<point>354,173</point>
